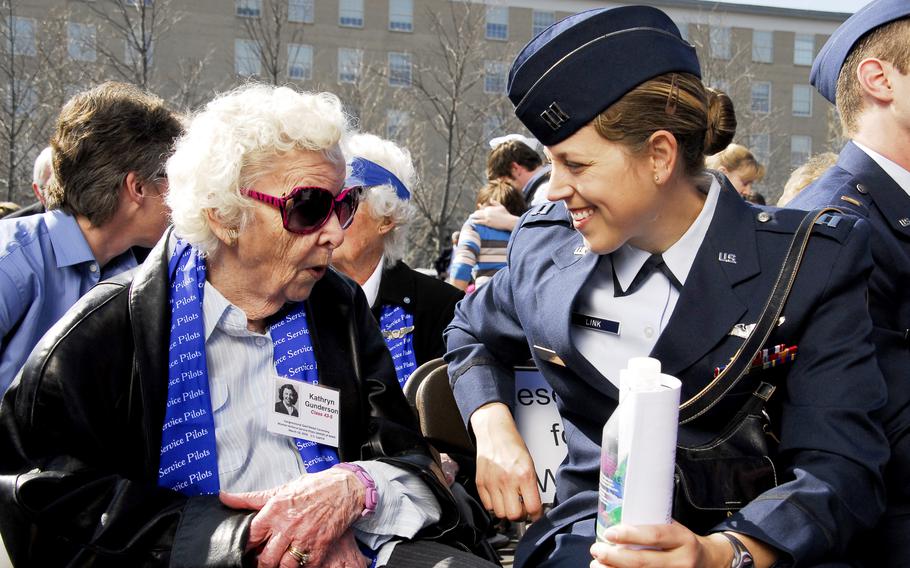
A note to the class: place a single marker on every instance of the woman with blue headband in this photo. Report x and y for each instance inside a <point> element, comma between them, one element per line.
<point>648,254</point>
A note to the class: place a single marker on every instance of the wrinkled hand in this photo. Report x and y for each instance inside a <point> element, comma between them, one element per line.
<point>678,548</point>
<point>506,480</point>
<point>495,216</point>
<point>344,554</point>
<point>309,513</point>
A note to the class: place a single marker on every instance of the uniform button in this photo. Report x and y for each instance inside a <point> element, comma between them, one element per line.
<point>861,188</point>
<point>649,332</point>
<point>764,217</point>
<point>407,300</point>
<point>93,267</point>
<point>260,341</point>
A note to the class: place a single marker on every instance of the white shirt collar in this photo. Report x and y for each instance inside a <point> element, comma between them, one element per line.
<point>371,286</point>
<point>628,260</point>
<point>897,173</point>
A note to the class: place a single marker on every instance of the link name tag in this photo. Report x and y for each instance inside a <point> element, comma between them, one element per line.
<point>595,323</point>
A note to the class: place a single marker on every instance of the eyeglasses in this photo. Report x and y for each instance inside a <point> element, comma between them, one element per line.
<point>306,209</point>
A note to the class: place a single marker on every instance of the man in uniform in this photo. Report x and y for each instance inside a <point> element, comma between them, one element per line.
<point>864,69</point>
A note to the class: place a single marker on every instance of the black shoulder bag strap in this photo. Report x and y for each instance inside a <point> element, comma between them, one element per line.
<point>739,366</point>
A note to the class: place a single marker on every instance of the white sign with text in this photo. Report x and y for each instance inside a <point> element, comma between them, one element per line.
<point>541,427</point>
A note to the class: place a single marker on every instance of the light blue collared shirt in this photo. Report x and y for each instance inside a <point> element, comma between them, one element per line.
<point>45,266</point>
<point>250,458</point>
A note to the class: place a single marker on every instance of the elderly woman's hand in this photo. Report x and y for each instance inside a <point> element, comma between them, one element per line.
<point>309,514</point>
<point>345,554</point>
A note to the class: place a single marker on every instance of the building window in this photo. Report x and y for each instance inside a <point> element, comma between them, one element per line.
<point>81,41</point>
<point>802,100</point>
<point>246,57</point>
<point>396,125</point>
<point>719,40</point>
<point>399,69</point>
<point>762,46</point>
<point>498,22</point>
<point>300,62</point>
<point>803,49</point>
<point>494,77</point>
<point>401,15</point>
<point>541,20</point>
<point>350,13</point>
<point>761,97</point>
<point>349,63</point>
<point>22,39</point>
<point>301,11</point>
<point>760,146</point>
<point>248,8</point>
<point>800,150</point>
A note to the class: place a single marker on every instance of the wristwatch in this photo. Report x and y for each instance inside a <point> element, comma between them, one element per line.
<point>742,558</point>
<point>371,496</point>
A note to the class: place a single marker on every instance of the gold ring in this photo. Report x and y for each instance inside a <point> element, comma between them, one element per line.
<point>302,557</point>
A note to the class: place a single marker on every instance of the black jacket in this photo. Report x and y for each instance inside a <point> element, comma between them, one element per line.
<point>430,301</point>
<point>81,430</point>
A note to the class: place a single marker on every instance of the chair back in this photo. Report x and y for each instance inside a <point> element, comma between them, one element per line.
<point>417,377</point>
<point>438,414</point>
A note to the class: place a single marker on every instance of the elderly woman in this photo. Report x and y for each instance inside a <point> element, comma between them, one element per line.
<point>142,431</point>
<point>412,309</point>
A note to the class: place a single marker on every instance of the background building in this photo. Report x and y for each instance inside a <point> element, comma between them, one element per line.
<point>429,73</point>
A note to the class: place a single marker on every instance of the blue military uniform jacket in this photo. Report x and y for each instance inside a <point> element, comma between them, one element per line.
<point>832,446</point>
<point>858,185</point>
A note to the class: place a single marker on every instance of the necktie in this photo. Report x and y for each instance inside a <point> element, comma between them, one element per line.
<point>655,262</point>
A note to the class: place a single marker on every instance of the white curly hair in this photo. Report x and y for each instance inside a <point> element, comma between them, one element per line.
<point>232,142</point>
<point>381,200</point>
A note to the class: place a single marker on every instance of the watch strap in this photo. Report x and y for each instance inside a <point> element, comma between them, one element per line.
<point>370,496</point>
<point>742,558</point>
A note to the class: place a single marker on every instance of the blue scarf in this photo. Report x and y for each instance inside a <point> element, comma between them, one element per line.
<point>397,327</point>
<point>189,462</point>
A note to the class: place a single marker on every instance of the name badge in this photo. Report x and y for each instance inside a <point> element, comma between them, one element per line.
<point>305,411</point>
<point>597,324</point>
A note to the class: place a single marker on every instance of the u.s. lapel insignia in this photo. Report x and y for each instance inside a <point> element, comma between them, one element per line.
<point>727,257</point>
<point>580,251</point>
<point>905,222</point>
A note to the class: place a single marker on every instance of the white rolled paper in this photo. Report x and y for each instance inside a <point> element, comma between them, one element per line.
<point>639,449</point>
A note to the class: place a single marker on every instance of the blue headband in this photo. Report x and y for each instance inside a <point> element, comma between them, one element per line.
<point>370,174</point>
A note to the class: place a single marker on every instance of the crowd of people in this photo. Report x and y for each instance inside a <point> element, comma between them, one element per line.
<point>209,324</point>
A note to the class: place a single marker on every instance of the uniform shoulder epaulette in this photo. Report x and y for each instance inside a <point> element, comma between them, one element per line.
<point>853,197</point>
<point>836,223</point>
<point>549,213</point>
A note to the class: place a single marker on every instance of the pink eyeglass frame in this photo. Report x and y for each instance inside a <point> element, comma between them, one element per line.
<point>280,203</point>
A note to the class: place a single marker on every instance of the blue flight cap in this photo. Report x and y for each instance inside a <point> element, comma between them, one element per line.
<point>581,65</point>
<point>831,57</point>
<point>370,174</point>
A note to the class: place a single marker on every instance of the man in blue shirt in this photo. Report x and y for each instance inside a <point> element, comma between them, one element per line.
<point>109,148</point>
<point>864,69</point>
